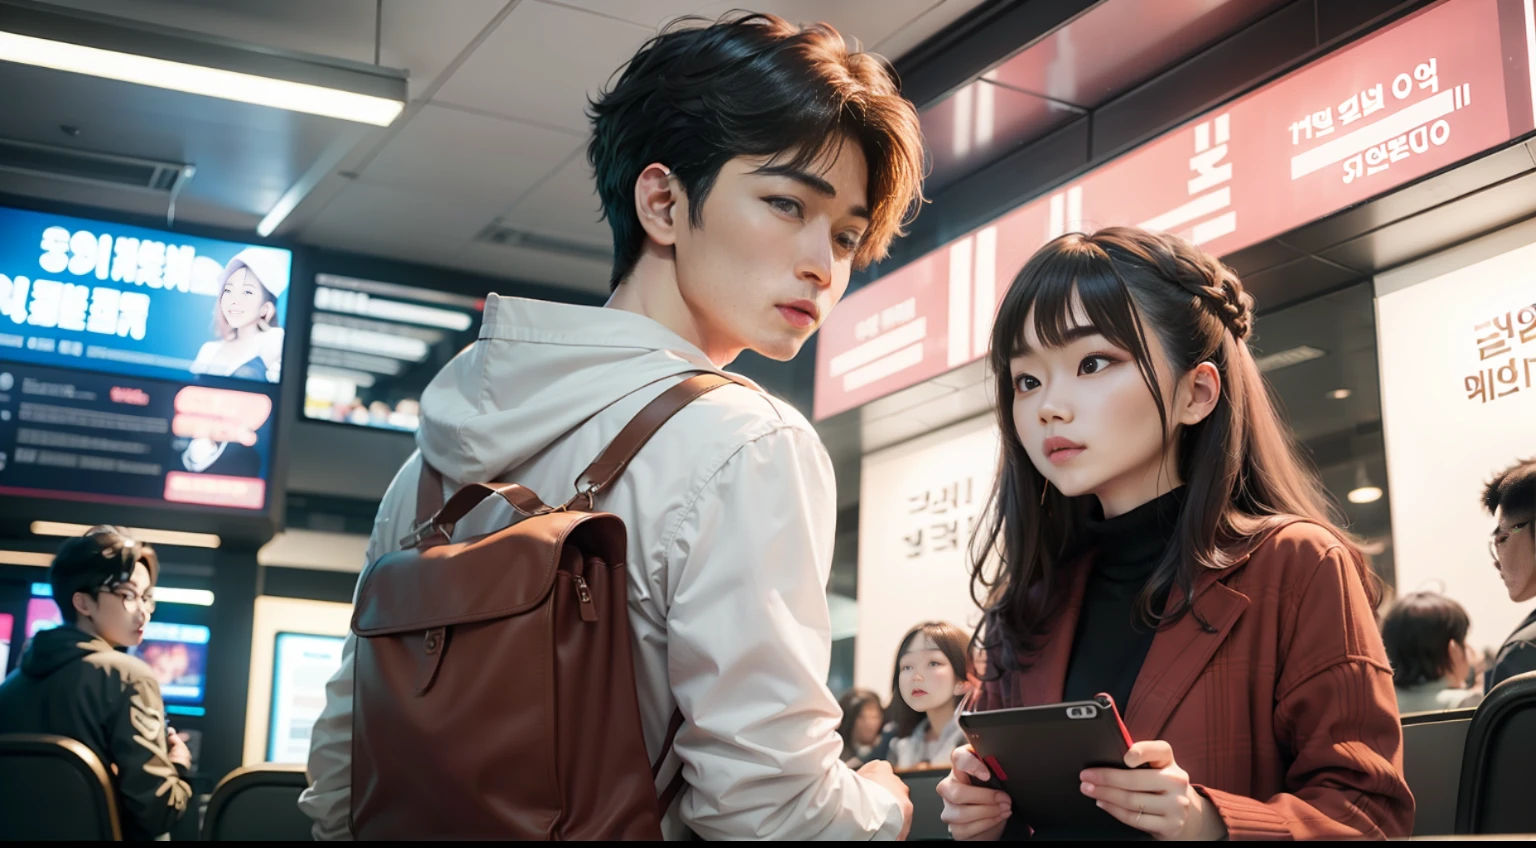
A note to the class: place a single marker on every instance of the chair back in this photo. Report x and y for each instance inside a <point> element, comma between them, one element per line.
<point>258,803</point>
<point>1432,747</point>
<point>923,784</point>
<point>52,787</point>
<point>1495,794</point>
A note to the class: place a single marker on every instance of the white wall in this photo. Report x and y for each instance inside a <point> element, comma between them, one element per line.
<point>1442,446</point>
<point>927,486</point>
<point>274,615</point>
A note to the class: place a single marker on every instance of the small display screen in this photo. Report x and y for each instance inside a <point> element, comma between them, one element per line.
<point>302,663</point>
<point>42,614</point>
<point>374,346</point>
<point>178,656</point>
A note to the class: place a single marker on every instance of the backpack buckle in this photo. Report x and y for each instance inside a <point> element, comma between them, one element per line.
<point>419,534</point>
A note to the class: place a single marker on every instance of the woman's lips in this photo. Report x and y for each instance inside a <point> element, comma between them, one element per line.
<point>918,693</point>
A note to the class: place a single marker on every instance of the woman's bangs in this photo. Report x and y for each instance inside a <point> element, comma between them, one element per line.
<point>1048,290</point>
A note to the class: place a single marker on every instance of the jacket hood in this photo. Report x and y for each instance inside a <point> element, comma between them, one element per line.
<point>53,649</point>
<point>538,371</point>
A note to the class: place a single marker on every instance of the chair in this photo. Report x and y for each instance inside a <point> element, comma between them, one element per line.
<point>926,804</point>
<point>52,787</point>
<point>1432,747</point>
<point>258,803</point>
<point>1495,794</point>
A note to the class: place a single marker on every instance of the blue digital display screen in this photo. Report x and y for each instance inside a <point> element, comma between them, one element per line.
<point>137,366</point>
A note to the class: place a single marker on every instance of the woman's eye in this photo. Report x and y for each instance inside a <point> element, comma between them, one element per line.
<point>849,241</point>
<point>1094,364</point>
<point>1025,383</point>
<point>787,205</point>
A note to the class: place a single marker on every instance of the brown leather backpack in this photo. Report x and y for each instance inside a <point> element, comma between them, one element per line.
<point>495,689</point>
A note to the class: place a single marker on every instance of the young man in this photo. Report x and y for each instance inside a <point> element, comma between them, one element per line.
<point>745,168</point>
<point>73,682</point>
<point>1511,499</point>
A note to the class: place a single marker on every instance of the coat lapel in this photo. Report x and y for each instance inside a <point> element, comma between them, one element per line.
<point>1178,655</point>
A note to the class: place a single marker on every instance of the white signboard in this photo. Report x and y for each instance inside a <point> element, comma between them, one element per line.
<point>1458,384</point>
<point>302,663</point>
<point>918,505</point>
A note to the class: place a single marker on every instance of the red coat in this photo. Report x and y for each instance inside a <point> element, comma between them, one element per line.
<point>1285,716</point>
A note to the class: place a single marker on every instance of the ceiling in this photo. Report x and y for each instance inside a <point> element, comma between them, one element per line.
<point>493,135</point>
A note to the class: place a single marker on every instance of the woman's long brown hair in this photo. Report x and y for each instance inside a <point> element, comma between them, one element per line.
<point>1239,464</point>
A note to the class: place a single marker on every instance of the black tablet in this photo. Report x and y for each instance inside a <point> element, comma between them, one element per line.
<point>1036,754</point>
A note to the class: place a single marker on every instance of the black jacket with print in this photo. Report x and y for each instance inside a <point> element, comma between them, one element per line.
<point>75,685</point>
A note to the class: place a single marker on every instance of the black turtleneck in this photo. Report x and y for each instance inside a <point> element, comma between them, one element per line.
<point>1112,640</point>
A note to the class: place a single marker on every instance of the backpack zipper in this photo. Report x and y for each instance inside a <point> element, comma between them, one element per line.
<point>584,595</point>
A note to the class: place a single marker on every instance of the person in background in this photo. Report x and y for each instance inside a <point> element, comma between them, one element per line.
<point>1510,497</point>
<point>245,319</point>
<point>931,677</point>
<point>746,168</point>
<point>1153,535</point>
<point>1426,640</point>
<point>863,722</point>
<point>73,681</point>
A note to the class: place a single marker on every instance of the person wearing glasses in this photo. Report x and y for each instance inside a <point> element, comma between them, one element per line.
<point>1510,497</point>
<point>74,681</point>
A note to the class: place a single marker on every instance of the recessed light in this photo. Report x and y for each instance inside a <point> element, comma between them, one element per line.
<point>1364,495</point>
<point>1340,394</point>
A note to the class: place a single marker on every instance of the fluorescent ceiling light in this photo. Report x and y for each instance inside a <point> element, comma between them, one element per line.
<point>192,597</point>
<point>1287,358</point>
<point>153,537</point>
<point>197,79</point>
<point>25,558</point>
<point>1340,394</point>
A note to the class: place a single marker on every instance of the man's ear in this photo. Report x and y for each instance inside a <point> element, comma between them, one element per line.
<point>658,203</point>
<point>1201,389</point>
<point>84,604</point>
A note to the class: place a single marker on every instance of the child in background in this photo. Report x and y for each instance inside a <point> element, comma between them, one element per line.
<point>863,721</point>
<point>932,675</point>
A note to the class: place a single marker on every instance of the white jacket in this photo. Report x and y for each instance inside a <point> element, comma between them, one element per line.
<point>730,510</point>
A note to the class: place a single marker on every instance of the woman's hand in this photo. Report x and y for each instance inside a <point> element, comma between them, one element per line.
<point>971,811</point>
<point>1156,799</point>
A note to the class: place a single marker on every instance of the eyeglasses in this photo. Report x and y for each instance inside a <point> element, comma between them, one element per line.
<point>132,602</point>
<point>1500,537</point>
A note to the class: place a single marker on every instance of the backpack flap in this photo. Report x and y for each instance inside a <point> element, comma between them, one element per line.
<point>493,576</point>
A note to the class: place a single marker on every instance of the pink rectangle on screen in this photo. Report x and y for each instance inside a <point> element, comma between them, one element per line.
<point>215,490</point>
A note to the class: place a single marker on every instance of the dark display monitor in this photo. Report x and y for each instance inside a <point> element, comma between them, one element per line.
<point>137,367</point>
<point>374,346</point>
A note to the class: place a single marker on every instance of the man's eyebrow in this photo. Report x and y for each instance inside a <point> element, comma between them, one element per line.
<point>810,181</point>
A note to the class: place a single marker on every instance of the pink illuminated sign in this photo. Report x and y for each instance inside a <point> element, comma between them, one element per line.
<point>1442,85</point>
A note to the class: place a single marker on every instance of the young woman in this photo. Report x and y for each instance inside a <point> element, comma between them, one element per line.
<point>1426,640</point>
<point>1154,536</point>
<point>863,721</point>
<point>245,319</point>
<point>930,678</point>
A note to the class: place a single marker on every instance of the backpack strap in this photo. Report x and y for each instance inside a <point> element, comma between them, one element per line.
<point>617,456</point>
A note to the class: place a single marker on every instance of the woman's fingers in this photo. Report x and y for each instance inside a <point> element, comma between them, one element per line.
<point>1145,821</point>
<point>1155,753</point>
<point>1149,802</point>
<point>978,830</point>
<point>958,794</point>
<point>964,762</point>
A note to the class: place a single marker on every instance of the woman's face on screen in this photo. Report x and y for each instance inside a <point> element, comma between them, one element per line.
<point>243,301</point>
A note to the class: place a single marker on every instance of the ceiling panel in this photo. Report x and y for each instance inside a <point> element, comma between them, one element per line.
<point>1121,43</point>
<point>344,29</point>
<point>419,38</point>
<point>398,222</point>
<point>534,265</point>
<point>870,21</point>
<point>542,63</point>
<point>924,27</point>
<point>564,204</point>
<point>469,156</point>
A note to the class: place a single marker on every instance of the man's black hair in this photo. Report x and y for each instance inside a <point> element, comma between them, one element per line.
<point>1514,488</point>
<point>693,98</point>
<point>1418,633</point>
<point>100,560</point>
